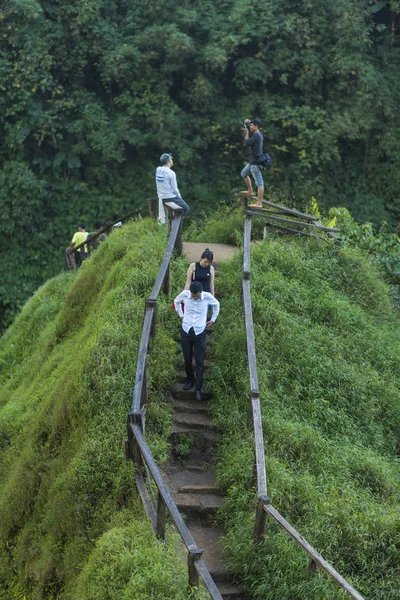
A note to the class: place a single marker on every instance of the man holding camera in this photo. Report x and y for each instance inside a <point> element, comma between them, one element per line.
<point>255,143</point>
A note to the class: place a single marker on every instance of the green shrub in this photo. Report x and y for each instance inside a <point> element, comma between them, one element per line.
<point>328,354</point>
<point>68,370</point>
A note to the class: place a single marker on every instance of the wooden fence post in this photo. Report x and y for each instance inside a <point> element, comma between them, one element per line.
<point>132,448</point>
<point>261,517</point>
<point>244,201</point>
<point>165,285</point>
<point>312,567</point>
<point>160,527</point>
<point>153,207</point>
<point>194,555</point>
<point>178,242</point>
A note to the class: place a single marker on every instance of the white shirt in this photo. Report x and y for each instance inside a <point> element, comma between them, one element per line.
<point>166,188</point>
<point>195,314</point>
<point>166,183</point>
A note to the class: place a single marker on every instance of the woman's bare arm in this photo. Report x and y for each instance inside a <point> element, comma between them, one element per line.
<point>189,275</point>
<point>212,280</point>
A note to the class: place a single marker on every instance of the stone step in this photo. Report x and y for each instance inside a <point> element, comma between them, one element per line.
<point>191,481</point>
<point>180,364</point>
<point>207,434</point>
<point>179,394</point>
<point>183,378</point>
<point>193,406</point>
<point>193,420</point>
<point>230,591</point>
<point>200,488</point>
<point>195,504</point>
<point>199,466</point>
<point>190,444</point>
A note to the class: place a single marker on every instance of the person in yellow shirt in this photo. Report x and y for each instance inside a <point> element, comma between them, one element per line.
<point>79,237</point>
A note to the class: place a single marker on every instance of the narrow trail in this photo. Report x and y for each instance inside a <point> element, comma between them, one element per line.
<point>193,250</point>
<point>190,476</point>
<point>190,473</point>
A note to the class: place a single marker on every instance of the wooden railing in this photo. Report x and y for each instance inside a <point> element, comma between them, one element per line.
<point>107,228</point>
<point>137,449</point>
<point>264,507</point>
<point>298,223</point>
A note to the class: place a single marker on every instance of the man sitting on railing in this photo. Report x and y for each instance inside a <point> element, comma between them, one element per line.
<point>193,332</point>
<point>167,188</point>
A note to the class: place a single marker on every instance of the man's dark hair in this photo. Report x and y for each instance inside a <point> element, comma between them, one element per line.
<point>98,224</point>
<point>208,254</point>
<point>256,122</point>
<point>196,287</point>
<point>165,157</point>
<point>82,225</point>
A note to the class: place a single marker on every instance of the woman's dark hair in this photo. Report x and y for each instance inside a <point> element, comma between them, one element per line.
<point>208,254</point>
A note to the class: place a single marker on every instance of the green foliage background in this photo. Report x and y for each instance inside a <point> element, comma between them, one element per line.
<point>91,92</point>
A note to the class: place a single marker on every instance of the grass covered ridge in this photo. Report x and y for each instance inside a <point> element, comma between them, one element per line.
<point>71,524</point>
<point>328,354</point>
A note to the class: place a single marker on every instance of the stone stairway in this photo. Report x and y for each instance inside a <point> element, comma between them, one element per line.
<point>191,478</point>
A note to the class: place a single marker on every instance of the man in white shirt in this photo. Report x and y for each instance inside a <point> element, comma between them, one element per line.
<point>167,188</point>
<point>193,332</point>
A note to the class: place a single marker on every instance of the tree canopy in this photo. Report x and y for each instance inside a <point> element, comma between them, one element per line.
<point>92,91</point>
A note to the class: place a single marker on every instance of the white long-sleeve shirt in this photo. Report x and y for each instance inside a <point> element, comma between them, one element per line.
<point>166,183</point>
<point>166,188</point>
<point>195,314</point>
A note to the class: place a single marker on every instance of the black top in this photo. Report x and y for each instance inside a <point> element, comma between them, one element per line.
<point>203,274</point>
<point>256,146</point>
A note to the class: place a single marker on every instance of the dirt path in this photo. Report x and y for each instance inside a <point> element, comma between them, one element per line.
<point>193,251</point>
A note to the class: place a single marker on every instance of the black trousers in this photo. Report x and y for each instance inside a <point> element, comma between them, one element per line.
<point>190,341</point>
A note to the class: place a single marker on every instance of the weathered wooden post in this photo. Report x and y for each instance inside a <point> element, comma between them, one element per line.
<point>261,517</point>
<point>161,511</point>
<point>244,201</point>
<point>165,285</point>
<point>178,242</point>
<point>194,555</point>
<point>153,207</point>
<point>312,567</point>
<point>132,450</point>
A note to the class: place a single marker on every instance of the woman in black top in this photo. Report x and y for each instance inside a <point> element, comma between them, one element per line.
<point>202,271</point>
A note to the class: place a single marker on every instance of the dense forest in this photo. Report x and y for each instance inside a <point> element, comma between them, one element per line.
<point>92,91</point>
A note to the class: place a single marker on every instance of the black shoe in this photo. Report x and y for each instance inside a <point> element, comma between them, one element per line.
<point>197,395</point>
<point>188,385</point>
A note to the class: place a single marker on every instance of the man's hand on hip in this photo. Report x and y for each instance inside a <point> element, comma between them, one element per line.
<point>209,324</point>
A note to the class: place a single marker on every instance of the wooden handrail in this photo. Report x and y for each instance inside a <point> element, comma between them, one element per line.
<point>254,403</point>
<point>167,257</point>
<point>142,359</point>
<point>290,222</point>
<point>264,507</point>
<point>162,487</point>
<point>315,557</point>
<point>108,225</point>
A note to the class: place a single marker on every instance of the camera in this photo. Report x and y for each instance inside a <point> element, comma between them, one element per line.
<point>246,124</point>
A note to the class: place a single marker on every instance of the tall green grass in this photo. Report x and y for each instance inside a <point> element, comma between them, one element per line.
<point>71,524</point>
<point>328,355</point>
